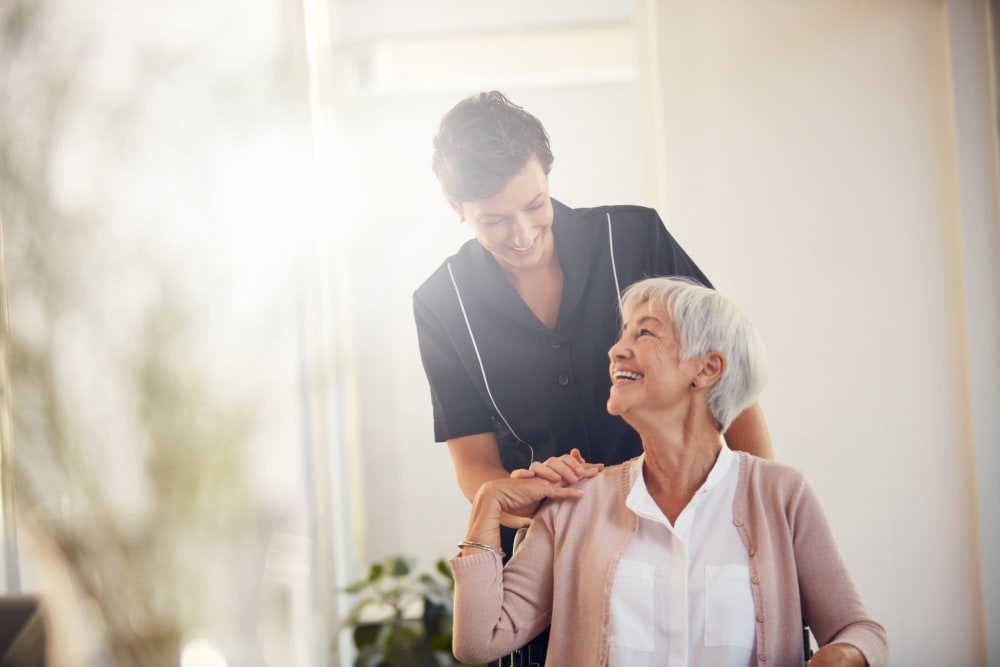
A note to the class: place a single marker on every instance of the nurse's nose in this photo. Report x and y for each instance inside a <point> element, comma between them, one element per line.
<point>520,234</point>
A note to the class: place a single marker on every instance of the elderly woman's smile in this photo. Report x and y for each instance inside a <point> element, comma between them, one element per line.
<point>622,375</point>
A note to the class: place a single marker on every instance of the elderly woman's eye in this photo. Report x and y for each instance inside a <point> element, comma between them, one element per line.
<point>646,332</point>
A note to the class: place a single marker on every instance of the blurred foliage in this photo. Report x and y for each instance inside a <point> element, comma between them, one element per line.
<point>130,460</point>
<point>402,618</point>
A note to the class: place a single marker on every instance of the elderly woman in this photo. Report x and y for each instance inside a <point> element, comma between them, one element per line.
<point>690,554</point>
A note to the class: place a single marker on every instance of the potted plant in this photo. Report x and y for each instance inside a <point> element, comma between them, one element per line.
<point>402,618</point>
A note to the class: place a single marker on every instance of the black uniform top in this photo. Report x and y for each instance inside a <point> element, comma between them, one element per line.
<point>549,387</point>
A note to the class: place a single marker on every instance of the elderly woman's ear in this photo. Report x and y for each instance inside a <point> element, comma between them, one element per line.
<point>710,368</point>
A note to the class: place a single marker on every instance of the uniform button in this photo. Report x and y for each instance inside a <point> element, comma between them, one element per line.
<point>563,380</point>
<point>755,579</point>
<point>737,522</point>
<point>555,343</point>
<point>761,618</point>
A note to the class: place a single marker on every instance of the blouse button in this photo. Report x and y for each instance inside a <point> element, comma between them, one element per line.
<point>563,380</point>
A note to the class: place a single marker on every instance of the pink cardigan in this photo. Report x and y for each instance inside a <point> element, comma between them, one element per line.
<point>796,572</point>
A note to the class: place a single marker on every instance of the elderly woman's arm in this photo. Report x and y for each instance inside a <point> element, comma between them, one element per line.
<point>498,610</point>
<point>831,604</point>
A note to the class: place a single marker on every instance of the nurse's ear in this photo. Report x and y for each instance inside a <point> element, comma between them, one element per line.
<point>457,208</point>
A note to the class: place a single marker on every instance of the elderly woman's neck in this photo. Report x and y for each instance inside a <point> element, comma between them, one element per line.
<point>676,465</point>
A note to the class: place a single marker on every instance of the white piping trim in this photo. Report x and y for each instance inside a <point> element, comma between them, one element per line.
<point>482,369</point>
<point>614,268</point>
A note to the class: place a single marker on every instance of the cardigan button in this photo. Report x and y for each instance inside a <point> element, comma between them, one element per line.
<point>753,552</point>
<point>755,579</point>
<point>761,618</point>
<point>762,656</point>
<point>563,380</point>
<point>555,343</point>
<point>737,521</point>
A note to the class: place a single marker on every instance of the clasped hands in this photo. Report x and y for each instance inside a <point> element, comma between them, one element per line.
<point>522,493</point>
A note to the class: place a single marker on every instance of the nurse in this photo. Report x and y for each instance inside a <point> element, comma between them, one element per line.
<point>514,328</point>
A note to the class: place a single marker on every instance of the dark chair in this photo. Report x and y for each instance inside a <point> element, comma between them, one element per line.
<point>806,643</point>
<point>22,631</point>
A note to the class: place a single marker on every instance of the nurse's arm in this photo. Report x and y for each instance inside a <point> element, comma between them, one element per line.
<point>477,460</point>
<point>748,433</point>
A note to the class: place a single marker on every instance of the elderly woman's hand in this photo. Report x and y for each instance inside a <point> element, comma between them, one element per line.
<point>838,655</point>
<point>499,496</point>
<point>566,469</point>
<point>510,495</point>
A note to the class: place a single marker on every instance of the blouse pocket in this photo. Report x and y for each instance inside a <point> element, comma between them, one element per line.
<point>632,606</point>
<point>729,608</point>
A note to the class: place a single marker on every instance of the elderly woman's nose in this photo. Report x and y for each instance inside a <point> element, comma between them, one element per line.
<point>617,351</point>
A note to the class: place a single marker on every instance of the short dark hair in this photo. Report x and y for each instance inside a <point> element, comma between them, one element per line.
<point>483,142</point>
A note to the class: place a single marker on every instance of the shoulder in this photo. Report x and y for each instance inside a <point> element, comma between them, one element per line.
<point>770,478</point>
<point>603,490</point>
<point>439,285</point>
<point>612,481</point>
<point>620,213</point>
<point>633,227</point>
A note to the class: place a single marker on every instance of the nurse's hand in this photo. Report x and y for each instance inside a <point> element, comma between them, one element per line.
<point>564,470</point>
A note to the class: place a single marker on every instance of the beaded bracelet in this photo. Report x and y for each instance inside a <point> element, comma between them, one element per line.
<point>480,545</point>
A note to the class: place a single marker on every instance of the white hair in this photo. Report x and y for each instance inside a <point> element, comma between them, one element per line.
<point>705,321</point>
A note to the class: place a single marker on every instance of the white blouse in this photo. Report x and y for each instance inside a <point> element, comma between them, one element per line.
<point>681,593</point>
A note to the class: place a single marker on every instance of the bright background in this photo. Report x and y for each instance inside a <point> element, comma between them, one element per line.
<point>831,165</point>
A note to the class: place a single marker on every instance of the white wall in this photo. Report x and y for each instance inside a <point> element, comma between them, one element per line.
<point>811,167</point>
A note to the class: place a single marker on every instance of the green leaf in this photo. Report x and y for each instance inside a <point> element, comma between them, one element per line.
<point>366,634</point>
<point>357,586</point>
<point>416,654</point>
<point>400,567</point>
<point>353,616</point>
<point>445,569</point>
<point>441,643</point>
<point>376,572</point>
<point>438,593</point>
